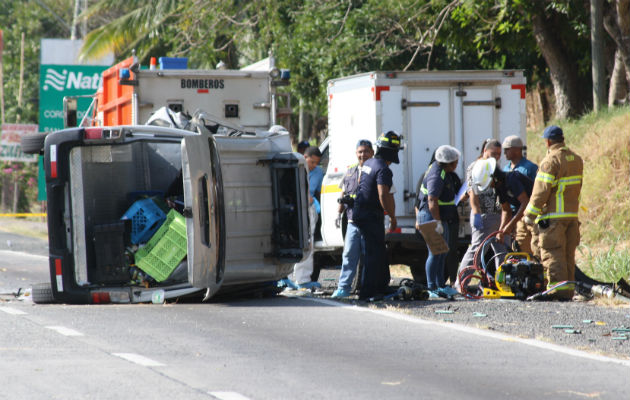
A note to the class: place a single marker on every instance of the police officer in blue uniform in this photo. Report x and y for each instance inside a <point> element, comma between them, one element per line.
<point>372,200</point>
<point>352,236</point>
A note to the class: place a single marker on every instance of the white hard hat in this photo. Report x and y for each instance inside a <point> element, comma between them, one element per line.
<point>482,173</point>
<point>447,154</point>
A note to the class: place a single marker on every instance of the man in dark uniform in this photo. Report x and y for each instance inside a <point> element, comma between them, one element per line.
<point>372,200</point>
<point>352,235</point>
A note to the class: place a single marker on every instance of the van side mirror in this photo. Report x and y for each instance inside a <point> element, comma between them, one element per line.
<point>69,112</point>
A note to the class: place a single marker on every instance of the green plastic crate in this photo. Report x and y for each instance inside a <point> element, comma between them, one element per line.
<point>166,248</point>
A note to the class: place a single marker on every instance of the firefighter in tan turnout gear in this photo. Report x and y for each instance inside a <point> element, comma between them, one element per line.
<point>552,212</point>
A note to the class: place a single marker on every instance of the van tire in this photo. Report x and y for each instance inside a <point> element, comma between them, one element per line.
<point>33,143</point>
<point>42,293</point>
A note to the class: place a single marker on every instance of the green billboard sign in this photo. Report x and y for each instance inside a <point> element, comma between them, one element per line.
<point>58,81</point>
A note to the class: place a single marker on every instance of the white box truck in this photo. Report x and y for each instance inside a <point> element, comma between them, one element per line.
<point>429,108</point>
<point>248,98</point>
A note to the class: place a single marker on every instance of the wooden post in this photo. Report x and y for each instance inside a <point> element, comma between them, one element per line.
<point>16,194</point>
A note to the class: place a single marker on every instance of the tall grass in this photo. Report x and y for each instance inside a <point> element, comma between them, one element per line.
<point>603,141</point>
<point>606,266</point>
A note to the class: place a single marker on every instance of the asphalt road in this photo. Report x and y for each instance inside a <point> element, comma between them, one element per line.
<point>275,348</point>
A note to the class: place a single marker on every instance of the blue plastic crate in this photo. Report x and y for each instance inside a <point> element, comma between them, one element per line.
<point>146,218</point>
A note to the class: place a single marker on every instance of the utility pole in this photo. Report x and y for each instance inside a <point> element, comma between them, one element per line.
<point>21,80</point>
<point>1,79</point>
<point>75,17</point>
<point>597,55</point>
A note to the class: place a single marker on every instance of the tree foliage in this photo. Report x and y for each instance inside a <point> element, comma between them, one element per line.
<point>17,17</point>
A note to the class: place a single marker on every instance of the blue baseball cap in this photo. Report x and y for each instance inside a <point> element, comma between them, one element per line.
<point>364,142</point>
<point>553,132</point>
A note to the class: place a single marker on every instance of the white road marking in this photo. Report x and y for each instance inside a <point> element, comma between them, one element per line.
<point>23,254</point>
<point>138,359</point>
<point>12,311</point>
<point>65,331</point>
<point>228,396</point>
<point>476,331</point>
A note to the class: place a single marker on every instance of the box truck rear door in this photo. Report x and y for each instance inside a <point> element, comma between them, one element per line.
<point>429,121</point>
<point>203,200</point>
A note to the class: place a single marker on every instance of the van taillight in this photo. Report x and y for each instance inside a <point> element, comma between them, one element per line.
<point>100,297</point>
<point>93,133</point>
<point>112,296</point>
<point>59,274</point>
<point>101,133</point>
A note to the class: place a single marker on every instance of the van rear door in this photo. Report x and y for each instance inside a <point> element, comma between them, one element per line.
<point>204,212</point>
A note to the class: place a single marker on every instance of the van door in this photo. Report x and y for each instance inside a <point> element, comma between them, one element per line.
<point>205,214</point>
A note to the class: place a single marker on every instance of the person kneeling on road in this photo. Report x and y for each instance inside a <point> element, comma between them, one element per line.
<point>374,197</point>
<point>352,241</point>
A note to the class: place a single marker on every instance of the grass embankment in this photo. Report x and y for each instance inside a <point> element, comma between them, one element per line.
<point>603,142</point>
<point>32,226</point>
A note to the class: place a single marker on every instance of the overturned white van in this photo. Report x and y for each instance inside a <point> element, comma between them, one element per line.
<point>243,198</point>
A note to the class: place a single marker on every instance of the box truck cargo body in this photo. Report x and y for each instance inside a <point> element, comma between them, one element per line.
<point>130,95</point>
<point>429,109</point>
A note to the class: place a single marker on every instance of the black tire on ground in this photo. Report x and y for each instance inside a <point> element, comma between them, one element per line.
<point>42,293</point>
<point>33,143</point>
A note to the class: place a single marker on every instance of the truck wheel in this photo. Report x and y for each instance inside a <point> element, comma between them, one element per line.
<point>33,143</point>
<point>42,293</point>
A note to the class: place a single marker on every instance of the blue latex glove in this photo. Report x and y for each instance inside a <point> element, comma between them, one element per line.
<point>477,222</point>
<point>317,206</point>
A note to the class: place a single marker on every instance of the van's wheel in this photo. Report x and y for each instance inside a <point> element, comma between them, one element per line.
<point>33,143</point>
<point>41,293</point>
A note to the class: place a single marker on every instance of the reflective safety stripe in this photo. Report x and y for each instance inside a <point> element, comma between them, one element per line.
<point>533,210</point>
<point>545,177</point>
<point>560,198</point>
<point>386,139</point>
<point>557,216</point>
<point>425,191</point>
<point>562,184</point>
